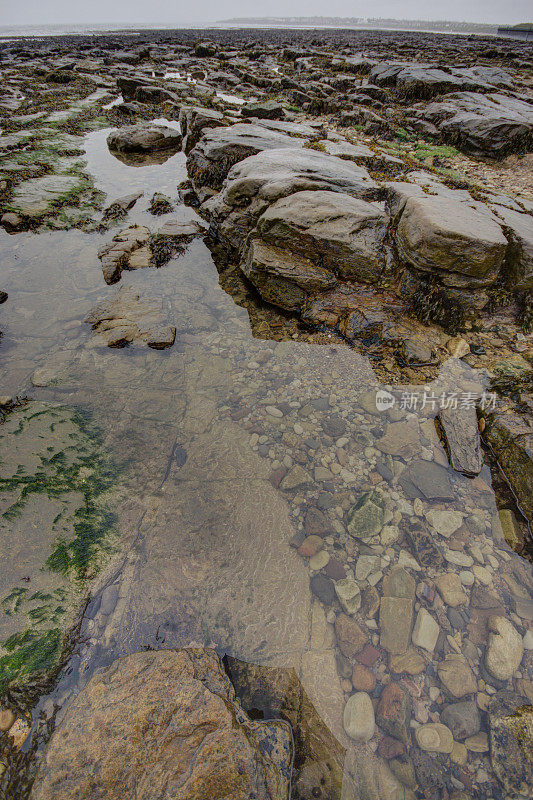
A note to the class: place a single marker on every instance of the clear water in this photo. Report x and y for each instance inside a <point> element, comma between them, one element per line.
<point>204,432</point>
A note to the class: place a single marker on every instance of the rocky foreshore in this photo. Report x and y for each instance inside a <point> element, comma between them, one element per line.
<point>356,189</point>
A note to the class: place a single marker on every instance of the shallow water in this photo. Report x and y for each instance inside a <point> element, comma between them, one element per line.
<point>227,447</point>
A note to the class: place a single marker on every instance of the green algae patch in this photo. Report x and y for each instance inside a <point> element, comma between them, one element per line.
<point>57,527</point>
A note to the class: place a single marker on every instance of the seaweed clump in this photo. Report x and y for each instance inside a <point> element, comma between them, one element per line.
<point>163,248</point>
<point>431,303</point>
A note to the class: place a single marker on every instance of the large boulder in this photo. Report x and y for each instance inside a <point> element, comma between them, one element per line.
<point>263,109</point>
<point>258,181</point>
<point>144,138</point>
<point>219,149</point>
<point>418,80</point>
<point>493,125</point>
<point>465,246</point>
<point>341,233</point>
<point>164,724</point>
<point>283,278</point>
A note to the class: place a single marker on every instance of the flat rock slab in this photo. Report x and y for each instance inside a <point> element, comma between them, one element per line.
<point>36,197</point>
<point>125,317</point>
<point>343,233</point>
<point>447,237</point>
<point>158,719</point>
<point>460,429</point>
<point>145,138</point>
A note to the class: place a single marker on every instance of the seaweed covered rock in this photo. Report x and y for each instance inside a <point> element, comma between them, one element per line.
<point>164,724</point>
<point>492,125</point>
<point>511,741</point>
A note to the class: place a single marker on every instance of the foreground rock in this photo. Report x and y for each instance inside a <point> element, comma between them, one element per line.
<point>145,138</point>
<point>511,741</point>
<point>256,182</point>
<point>127,318</point>
<point>164,724</point>
<point>442,236</point>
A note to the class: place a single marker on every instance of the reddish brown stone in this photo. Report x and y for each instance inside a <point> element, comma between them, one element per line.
<point>368,655</point>
<point>362,679</point>
<point>277,476</point>
<point>389,747</point>
<point>351,637</point>
<point>394,712</point>
<point>316,522</point>
<point>310,546</point>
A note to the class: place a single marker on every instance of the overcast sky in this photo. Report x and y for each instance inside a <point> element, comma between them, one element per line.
<point>34,12</point>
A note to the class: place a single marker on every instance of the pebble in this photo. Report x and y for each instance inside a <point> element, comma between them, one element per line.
<point>349,595</point>
<point>426,631</point>
<point>504,650</point>
<point>319,560</point>
<point>358,718</point>
<point>450,589</point>
<point>458,558</point>
<point>445,521</point>
<point>467,577</point>
<point>7,718</point>
<point>434,738</point>
<point>273,411</point>
<point>478,743</point>
<point>19,732</point>
<point>363,680</point>
<point>482,574</point>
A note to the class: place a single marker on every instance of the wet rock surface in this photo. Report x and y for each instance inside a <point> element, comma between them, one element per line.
<point>181,702</point>
<point>285,501</point>
<point>143,139</point>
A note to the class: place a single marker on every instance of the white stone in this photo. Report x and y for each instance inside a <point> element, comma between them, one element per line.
<point>445,521</point>
<point>426,631</point>
<point>434,738</point>
<point>504,650</point>
<point>359,721</point>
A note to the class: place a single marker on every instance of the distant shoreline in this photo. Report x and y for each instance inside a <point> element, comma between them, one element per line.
<point>413,26</point>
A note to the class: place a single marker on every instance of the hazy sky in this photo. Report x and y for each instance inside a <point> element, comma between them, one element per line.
<point>34,12</point>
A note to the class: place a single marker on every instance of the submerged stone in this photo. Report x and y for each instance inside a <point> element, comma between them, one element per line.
<point>141,725</point>
<point>366,518</point>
